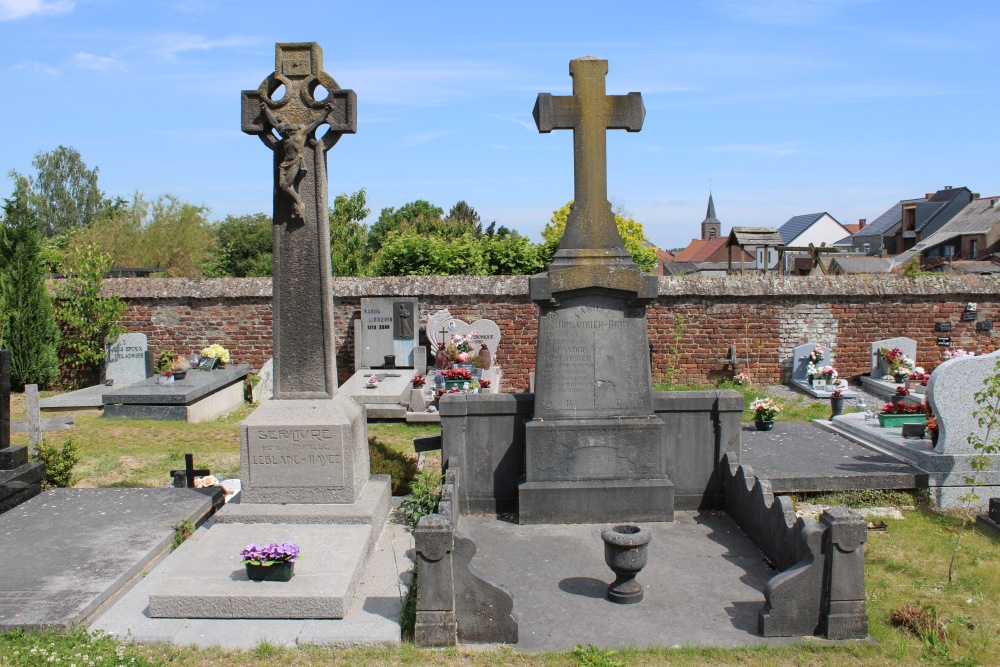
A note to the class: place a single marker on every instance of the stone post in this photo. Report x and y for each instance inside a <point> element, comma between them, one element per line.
<point>843,611</point>
<point>4,399</point>
<point>434,541</point>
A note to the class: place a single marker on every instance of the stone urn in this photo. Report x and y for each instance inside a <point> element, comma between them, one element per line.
<point>625,554</point>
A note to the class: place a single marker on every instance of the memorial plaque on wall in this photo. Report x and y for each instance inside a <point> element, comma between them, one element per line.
<point>969,315</point>
<point>942,326</point>
<point>944,341</point>
<point>985,325</point>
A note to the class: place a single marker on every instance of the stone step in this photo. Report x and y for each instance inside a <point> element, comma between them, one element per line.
<point>385,411</point>
<point>423,417</point>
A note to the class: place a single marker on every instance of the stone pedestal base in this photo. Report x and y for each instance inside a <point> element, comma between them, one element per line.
<point>304,451</point>
<point>596,501</point>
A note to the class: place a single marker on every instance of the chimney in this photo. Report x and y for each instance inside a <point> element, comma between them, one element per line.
<point>861,223</point>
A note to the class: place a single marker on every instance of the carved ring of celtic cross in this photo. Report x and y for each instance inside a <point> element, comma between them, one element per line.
<point>299,68</point>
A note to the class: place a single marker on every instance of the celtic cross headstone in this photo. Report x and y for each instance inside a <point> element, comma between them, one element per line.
<point>303,343</point>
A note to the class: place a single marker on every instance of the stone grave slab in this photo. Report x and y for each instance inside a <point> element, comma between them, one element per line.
<point>887,390</point>
<point>127,359</point>
<point>85,545</point>
<point>951,397</point>
<point>388,325</point>
<point>200,396</point>
<point>372,616</point>
<point>798,457</point>
<point>712,599</point>
<point>878,368</point>
<point>213,583</point>
<point>88,399</point>
<point>393,386</point>
<point>945,472</point>
<point>800,374</point>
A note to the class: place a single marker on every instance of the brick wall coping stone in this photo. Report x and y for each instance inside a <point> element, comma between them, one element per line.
<point>736,286</point>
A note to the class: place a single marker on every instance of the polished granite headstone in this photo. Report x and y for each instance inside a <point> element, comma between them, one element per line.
<point>388,326</point>
<point>594,447</point>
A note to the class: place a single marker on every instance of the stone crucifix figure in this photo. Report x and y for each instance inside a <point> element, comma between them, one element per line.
<point>303,343</point>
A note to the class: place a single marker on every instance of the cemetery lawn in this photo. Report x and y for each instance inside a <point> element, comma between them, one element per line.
<point>142,452</point>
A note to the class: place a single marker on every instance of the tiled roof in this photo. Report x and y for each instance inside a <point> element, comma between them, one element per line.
<point>798,224</point>
<point>979,217</point>
<point>756,236</point>
<point>860,264</point>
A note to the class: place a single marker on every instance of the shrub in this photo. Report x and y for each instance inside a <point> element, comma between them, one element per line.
<point>59,462</point>
<point>424,497</point>
<point>387,461</point>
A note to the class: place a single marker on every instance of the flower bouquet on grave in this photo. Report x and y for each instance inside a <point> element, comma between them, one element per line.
<point>418,381</point>
<point>741,380</point>
<point>764,411</point>
<point>932,428</point>
<point>273,562</point>
<point>216,352</point>
<point>439,380</point>
<point>812,371</point>
<point>460,347</point>
<point>954,354</point>
<point>484,384</point>
<point>828,373</point>
<point>456,377</point>
<point>816,355</point>
<point>372,382</point>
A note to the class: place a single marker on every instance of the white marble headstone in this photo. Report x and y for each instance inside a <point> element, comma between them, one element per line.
<point>951,396</point>
<point>126,359</point>
<point>800,362</point>
<point>483,331</point>
<point>907,345</point>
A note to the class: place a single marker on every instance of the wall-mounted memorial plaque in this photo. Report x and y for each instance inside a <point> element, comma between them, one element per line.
<point>985,325</point>
<point>969,315</point>
<point>942,326</point>
<point>944,341</point>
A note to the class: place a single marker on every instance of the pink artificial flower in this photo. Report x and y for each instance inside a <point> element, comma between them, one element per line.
<point>463,357</point>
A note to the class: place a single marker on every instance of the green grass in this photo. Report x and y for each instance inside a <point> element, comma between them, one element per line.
<point>800,409</point>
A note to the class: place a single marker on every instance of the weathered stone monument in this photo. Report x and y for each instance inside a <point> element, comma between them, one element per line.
<point>127,359</point>
<point>304,453</point>
<point>305,445</point>
<point>593,449</point>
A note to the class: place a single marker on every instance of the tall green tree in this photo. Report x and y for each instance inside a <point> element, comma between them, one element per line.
<point>349,254</point>
<point>243,247</point>
<point>63,193</point>
<point>464,214</point>
<point>27,321</point>
<point>86,316</point>
<point>632,233</point>
<point>419,213</point>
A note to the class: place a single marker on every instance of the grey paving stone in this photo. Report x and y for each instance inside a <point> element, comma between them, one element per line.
<point>84,545</point>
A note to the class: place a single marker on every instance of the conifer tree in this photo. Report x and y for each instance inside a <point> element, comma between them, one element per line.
<point>27,318</point>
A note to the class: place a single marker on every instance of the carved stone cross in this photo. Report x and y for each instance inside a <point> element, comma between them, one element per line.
<point>589,112</point>
<point>302,303</point>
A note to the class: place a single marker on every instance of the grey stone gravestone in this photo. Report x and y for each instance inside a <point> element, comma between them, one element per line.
<point>593,449</point>
<point>951,397</point>
<point>800,361</point>
<point>443,326</point>
<point>878,367</point>
<point>389,325</point>
<point>126,359</point>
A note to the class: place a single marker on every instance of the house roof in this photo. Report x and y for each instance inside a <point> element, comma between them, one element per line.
<point>974,266</point>
<point>798,224</point>
<point>928,211</point>
<point>862,264</point>
<point>688,268</point>
<point>885,222</point>
<point>755,236</point>
<point>979,217</point>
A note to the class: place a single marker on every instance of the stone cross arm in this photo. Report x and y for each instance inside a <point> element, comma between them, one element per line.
<point>622,112</point>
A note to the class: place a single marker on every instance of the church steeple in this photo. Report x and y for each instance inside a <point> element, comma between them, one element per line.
<point>711,228</point>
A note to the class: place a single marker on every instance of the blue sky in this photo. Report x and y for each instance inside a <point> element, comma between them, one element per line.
<point>785,107</point>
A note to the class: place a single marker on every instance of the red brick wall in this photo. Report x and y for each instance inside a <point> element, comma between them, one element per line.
<point>764,316</point>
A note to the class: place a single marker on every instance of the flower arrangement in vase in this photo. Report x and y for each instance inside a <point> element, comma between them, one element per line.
<point>273,562</point>
<point>418,381</point>
<point>217,352</point>
<point>764,411</point>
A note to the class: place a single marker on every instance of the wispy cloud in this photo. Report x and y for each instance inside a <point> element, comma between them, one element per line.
<point>785,12</point>
<point>95,62</point>
<point>426,137</point>
<point>35,67</point>
<point>773,150</point>
<point>169,45</point>
<point>424,84</point>
<point>517,121</point>
<point>19,9</point>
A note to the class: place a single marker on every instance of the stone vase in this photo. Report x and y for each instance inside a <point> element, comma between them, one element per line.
<point>836,405</point>
<point>486,356</point>
<point>763,425</point>
<point>625,553</point>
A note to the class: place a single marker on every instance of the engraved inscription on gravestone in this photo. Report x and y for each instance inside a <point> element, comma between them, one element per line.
<point>126,359</point>
<point>296,456</point>
<point>385,323</point>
